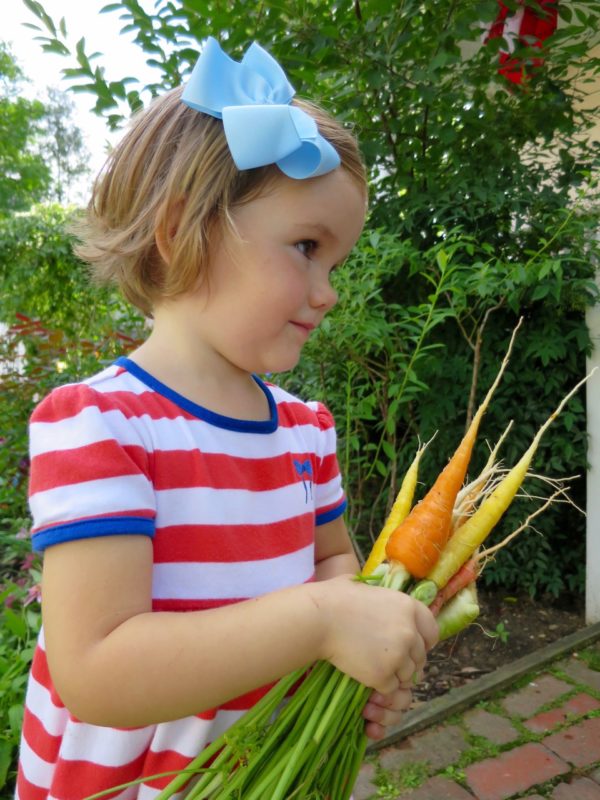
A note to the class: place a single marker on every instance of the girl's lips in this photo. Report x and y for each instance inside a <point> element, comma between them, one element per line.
<point>304,326</point>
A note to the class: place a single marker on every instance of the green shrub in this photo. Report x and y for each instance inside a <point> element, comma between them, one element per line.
<point>60,328</point>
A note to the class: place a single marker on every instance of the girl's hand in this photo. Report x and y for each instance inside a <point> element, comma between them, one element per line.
<point>379,636</point>
<point>385,710</point>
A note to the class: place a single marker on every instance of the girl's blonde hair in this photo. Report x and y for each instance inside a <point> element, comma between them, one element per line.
<point>175,161</point>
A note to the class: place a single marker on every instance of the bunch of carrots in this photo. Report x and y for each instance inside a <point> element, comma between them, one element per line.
<point>311,744</point>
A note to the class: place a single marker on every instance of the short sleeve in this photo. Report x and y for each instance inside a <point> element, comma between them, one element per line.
<point>89,469</point>
<point>330,499</point>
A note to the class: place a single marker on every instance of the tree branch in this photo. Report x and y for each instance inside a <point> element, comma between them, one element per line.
<point>477,360</point>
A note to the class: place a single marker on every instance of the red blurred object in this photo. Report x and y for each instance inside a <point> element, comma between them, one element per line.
<point>531,27</point>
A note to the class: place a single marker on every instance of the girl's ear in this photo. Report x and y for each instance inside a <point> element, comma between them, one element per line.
<point>166,229</point>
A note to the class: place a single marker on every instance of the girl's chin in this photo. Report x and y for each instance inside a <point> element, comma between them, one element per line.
<point>280,366</point>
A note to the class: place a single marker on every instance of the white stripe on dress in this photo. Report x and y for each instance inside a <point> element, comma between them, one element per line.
<point>67,503</point>
<point>233,506</point>
<point>35,769</point>
<point>186,736</point>
<point>221,581</point>
<point>111,747</point>
<point>39,702</point>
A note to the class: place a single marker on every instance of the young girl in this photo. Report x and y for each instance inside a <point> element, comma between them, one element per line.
<point>177,480</point>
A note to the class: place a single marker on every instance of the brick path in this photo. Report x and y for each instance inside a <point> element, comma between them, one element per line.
<point>537,740</point>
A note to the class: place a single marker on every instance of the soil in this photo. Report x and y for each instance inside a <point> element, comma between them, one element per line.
<point>508,628</point>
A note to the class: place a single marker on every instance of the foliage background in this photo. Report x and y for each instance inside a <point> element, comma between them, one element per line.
<point>483,209</point>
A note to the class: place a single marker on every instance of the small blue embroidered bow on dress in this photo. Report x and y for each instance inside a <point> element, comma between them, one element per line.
<point>253,99</point>
<point>304,468</point>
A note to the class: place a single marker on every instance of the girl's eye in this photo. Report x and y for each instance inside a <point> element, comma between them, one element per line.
<point>307,247</point>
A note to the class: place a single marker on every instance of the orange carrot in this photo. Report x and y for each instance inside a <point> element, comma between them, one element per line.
<point>418,541</point>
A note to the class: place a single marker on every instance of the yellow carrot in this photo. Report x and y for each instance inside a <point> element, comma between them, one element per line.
<point>468,496</point>
<point>400,509</point>
<point>466,539</point>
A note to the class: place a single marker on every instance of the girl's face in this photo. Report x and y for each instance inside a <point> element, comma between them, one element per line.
<point>269,286</point>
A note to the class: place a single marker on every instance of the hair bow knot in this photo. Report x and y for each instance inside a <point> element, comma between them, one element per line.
<point>253,98</point>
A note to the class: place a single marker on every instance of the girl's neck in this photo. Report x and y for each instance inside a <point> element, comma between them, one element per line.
<point>202,377</point>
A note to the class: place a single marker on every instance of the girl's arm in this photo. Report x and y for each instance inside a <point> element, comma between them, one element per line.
<point>114,662</point>
<point>334,554</point>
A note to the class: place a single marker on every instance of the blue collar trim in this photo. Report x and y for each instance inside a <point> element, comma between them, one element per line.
<point>218,420</point>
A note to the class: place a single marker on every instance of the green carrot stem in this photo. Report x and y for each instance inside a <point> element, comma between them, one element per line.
<point>261,710</point>
<point>301,749</point>
<point>356,760</point>
<point>209,783</point>
<point>264,766</point>
<point>350,726</point>
<point>320,770</point>
<point>196,793</point>
<point>339,693</point>
<point>143,779</point>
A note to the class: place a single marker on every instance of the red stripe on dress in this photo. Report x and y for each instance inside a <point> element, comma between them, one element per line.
<point>328,468</point>
<point>168,604</point>
<point>165,761</point>
<point>43,744</point>
<point>76,779</point>
<point>29,791</point>
<point>68,401</point>
<point>291,414</point>
<point>41,673</point>
<point>170,761</point>
<point>232,543</point>
<point>105,459</point>
<point>174,469</point>
<point>171,469</point>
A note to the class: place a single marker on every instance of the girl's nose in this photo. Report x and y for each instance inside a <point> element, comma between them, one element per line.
<point>322,294</point>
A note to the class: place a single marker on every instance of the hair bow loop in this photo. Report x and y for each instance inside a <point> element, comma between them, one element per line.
<point>253,99</point>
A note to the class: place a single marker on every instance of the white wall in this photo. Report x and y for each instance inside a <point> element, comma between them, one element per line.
<point>592,598</point>
<point>592,594</point>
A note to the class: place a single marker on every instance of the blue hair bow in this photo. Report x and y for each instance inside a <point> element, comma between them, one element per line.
<point>253,99</point>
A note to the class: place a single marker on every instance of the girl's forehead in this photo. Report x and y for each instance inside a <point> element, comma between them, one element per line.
<point>330,194</point>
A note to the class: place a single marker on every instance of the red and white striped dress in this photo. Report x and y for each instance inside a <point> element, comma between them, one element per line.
<point>121,453</point>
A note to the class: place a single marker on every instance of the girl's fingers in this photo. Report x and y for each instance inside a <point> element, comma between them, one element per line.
<point>427,626</point>
<point>418,653</point>
<point>375,731</point>
<point>406,672</point>
<point>413,665</point>
<point>383,711</point>
<point>399,700</point>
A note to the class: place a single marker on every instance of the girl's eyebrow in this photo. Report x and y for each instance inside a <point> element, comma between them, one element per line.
<point>324,230</point>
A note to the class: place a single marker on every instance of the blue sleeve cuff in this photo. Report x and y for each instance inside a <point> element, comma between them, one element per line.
<point>333,513</point>
<point>90,529</point>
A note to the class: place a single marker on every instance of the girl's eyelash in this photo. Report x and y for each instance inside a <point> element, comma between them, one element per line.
<point>307,246</point>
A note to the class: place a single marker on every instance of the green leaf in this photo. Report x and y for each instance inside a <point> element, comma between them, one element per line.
<point>6,751</point>
<point>15,718</point>
<point>15,623</point>
<point>54,46</point>
<point>442,260</point>
<point>540,291</point>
